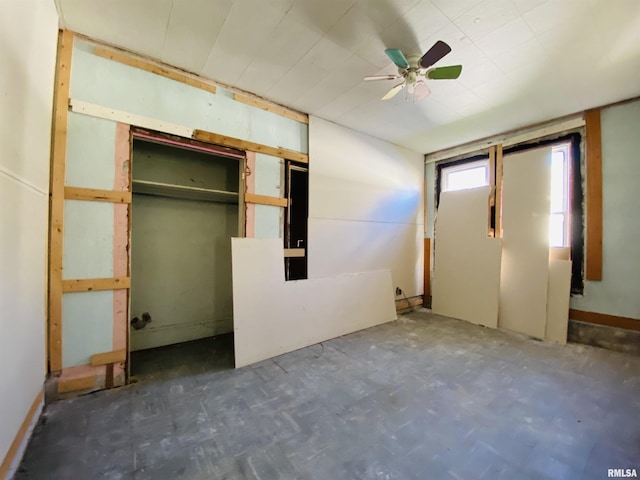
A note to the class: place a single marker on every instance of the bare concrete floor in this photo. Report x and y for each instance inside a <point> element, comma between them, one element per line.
<point>423,398</point>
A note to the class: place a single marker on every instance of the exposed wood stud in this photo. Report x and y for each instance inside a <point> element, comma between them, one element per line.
<point>270,107</point>
<point>94,194</point>
<point>108,357</point>
<point>250,146</point>
<point>603,319</point>
<point>265,200</point>
<point>75,384</point>
<point>58,160</point>
<point>94,284</point>
<point>294,252</point>
<point>498,192</point>
<point>593,261</point>
<point>152,67</point>
<point>427,270</point>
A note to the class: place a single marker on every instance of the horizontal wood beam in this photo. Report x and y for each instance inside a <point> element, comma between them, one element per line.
<point>94,284</point>
<point>294,252</point>
<point>593,261</point>
<point>18,439</point>
<point>152,67</point>
<point>270,107</point>
<point>97,195</point>
<point>250,146</point>
<point>265,200</point>
<point>405,303</point>
<point>108,358</point>
<point>604,319</point>
<point>75,384</point>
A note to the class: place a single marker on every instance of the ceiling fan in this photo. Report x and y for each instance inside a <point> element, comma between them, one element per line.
<point>415,70</point>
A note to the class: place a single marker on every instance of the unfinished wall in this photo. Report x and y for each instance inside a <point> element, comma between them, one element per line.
<point>95,235</point>
<point>366,200</point>
<point>617,293</point>
<point>28,35</point>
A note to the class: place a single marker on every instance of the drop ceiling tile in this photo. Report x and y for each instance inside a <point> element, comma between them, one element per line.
<point>142,25</point>
<point>319,16</point>
<point>240,39</point>
<point>353,29</point>
<point>477,75</point>
<point>486,17</point>
<point>192,30</point>
<point>454,8</point>
<point>526,54</point>
<point>353,98</point>
<point>506,38</point>
<point>384,13</point>
<point>451,35</point>
<point>97,19</point>
<point>525,6</point>
<point>327,55</point>
<point>302,78</point>
<point>552,14</point>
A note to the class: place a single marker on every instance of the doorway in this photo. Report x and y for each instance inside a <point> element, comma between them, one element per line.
<point>185,209</point>
<point>297,213</point>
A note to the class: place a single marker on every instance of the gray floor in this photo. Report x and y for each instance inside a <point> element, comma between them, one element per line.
<point>422,398</point>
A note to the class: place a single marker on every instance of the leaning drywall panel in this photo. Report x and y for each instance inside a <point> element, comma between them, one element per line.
<point>87,318</point>
<point>111,84</point>
<point>272,317</point>
<point>88,239</point>
<point>345,246</point>
<point>466,278</point>
<point>91,144</point>
<point>525,242</point>
<point>617,293</point>
<point>29,31</point>
<point>558,301</point>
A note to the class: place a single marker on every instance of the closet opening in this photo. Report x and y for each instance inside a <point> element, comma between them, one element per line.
<point>185,209</point>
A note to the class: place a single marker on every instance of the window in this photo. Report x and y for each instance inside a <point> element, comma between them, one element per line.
<point>466,175</point>
<point>559,199</point>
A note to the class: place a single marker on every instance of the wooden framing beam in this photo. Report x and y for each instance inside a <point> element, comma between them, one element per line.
<point>94,284</point>
<point>593,261</point>
<point>75,384</point>
<point>265,200</point>
<point>250,146</point>
<point>94,194</point>
<point>108,358</point>
<point>427,270</point>
<point>294,252</point>
<point>604,319</point>
<point>153,67</point>
<point>271,107</point>
<point>56,212</point>
<point>405,303</point>
<point>19,438</point>
<point>498,192</point>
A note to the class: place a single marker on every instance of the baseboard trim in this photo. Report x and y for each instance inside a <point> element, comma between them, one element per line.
<point>604,319</point>
<point>16,450</point>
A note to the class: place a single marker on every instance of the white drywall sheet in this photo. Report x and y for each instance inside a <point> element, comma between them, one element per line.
<point>525,242</point>
<point>466,278</point>
<point>366,200</point>
<point>272,317</point>
<point>558,301</point>
<point>28,33</point>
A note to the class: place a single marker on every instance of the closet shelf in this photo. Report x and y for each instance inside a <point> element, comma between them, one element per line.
<point>183,192</point>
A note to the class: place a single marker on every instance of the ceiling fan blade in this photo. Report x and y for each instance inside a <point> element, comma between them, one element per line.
<point>393,92</point>
<point>445,73</point>
<point>435,53</point>
<point>381,77</point>
<point>397,57</point>
<point>421,91</point>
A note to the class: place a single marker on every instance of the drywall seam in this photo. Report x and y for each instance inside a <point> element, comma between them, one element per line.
<point>98,111</point>
<point>17,178</point>
<point>272,317</point>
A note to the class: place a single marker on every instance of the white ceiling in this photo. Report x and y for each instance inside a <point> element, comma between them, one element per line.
<point>524,61</point>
